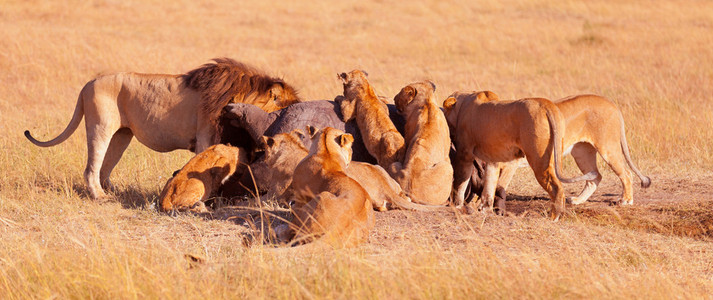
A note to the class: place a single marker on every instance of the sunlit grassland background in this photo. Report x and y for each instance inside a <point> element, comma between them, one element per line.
<point>652,58</point>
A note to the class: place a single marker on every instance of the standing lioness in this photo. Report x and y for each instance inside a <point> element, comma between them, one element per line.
<point>502,131</point>
<point>164,112</point>
<point>594,125</point>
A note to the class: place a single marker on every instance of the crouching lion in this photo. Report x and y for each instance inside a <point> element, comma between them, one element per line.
<point>329,205</point>
<point>200,178</point>
<point>503,131</point>
<point>164,112</point>
<point>594,124</point>
<point>426,168</point>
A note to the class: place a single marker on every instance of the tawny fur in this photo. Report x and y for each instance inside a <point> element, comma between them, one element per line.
<point>284,151</point>
<point>164,112</point>
<point>201,177</point>
<point>594,125</point>
<point>380,136</point>
<point>503,131</point>
<point>329,205</point>
<point>426,167</point>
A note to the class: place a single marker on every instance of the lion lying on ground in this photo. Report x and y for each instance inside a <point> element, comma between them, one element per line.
<point>594,124</point>
<point>164,112</point>
<point>284,151</point>
<point>329,205</point>
<point>200,178</point>
<point>426,168</point>
<point>381,138</point>
<point>503,131</point>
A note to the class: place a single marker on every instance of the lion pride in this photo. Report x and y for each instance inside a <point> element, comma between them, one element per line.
<point>164,112</point>
<point>426,167</point>
<point>503,131</point>
<point>329,205</point>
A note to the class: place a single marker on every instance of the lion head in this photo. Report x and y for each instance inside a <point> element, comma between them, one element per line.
<point>419,91</point>
<point>451,102</point>
<point>228,81</point>
<point>355,85</point>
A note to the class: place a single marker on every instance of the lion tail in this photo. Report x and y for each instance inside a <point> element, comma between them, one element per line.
<point>557,135</point>
<point>71,127</point>
<point>645,180</point>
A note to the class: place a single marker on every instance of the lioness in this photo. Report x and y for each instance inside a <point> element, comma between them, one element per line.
<point>164,112</point>
<point>200,177</point>
<point>502,131</point>
<point>426,168</point>
<point>381,138</point>
<point>329,204</point>
<point>284,151</point>
<point>594,124</point>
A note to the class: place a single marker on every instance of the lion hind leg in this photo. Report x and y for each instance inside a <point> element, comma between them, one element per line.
<point>462,170</point>
<point>585,155</point>
<point>547,178</point>
<point>118,144</point>
<point>617,162</point>
<point>98,140</point>
<point>490,180</point>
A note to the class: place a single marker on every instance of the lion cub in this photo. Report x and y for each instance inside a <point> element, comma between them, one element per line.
<point>200,177</point>
<point>426,168</point>
<point>328,204</point>
<point>381,138</point>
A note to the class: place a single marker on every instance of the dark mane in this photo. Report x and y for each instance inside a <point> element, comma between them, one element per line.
<point>226,80</point>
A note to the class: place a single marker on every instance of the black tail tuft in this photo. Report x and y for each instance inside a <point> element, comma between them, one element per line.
<point>645,182</point>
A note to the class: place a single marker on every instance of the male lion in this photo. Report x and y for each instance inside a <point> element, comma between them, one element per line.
<point>594,124</point>
<point>381,138</point>
<point>200,178</point>
<point>164,112</point>
<point>329,204</point>
<point>503,131</point>
<point>426,168</point>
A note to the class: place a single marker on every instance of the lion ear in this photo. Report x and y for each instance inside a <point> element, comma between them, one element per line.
<point>299,133</point>
<point>345,140</point>
<point>433,85</point>
<point>491,95</point>
<point>405,96</point>
<point>277,87</point>
<point>311,131</point>
<point>343,77</point>
<point>365,73</point>
<point>486,96</point>
<point>449,103</point>
<point>268,141</point>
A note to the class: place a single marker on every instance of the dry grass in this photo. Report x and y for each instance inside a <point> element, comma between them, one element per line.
<point>653,59</point>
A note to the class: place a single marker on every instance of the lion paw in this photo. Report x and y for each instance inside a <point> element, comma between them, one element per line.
<point>575,200</point>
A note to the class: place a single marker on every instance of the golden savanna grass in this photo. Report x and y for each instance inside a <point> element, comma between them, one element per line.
<point>652,58</point>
